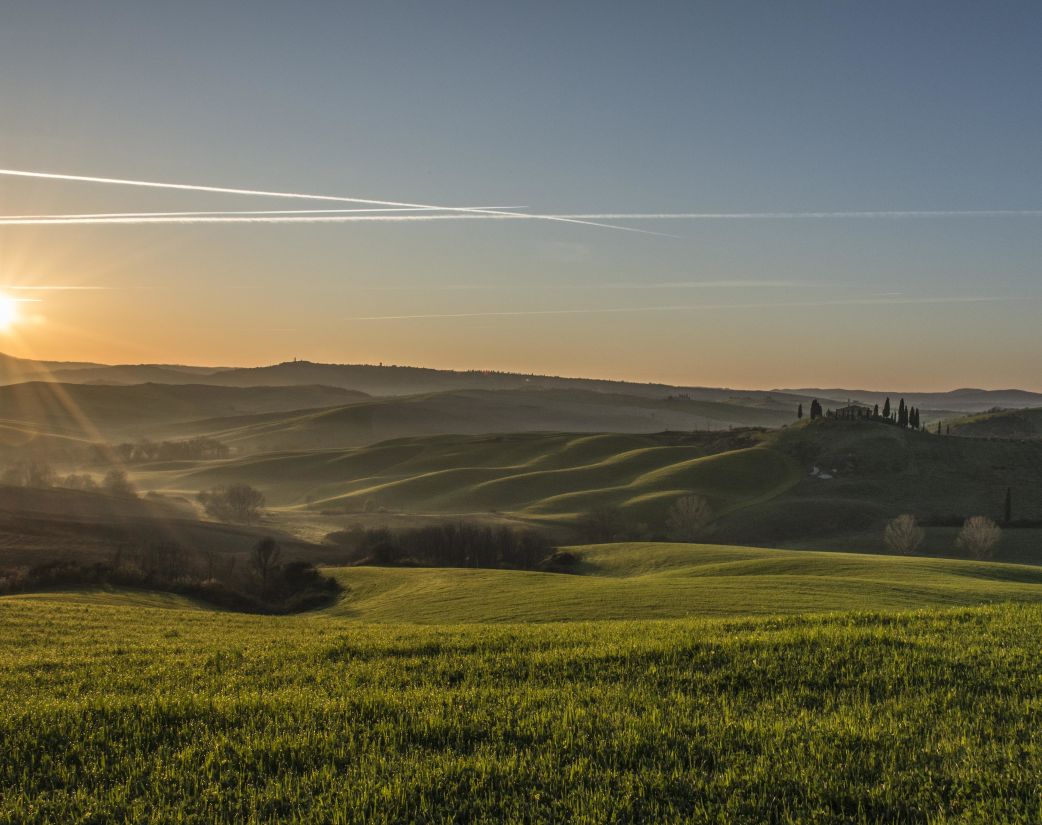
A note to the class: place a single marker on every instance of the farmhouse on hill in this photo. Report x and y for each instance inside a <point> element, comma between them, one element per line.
<point>851,412</point>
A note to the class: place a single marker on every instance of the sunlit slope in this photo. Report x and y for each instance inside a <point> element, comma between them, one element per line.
<point>642,581</point>
<point>109,597</point>
<point>551,475</point>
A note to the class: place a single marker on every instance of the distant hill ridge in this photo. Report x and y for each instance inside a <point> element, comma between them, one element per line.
<point>381,380</point>
<point>964,399</point>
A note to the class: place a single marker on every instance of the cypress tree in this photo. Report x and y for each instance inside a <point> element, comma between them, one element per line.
<point>902,414</point>
<point>875,412</point>
<point>938,428</point>
<point>799,411</point>
<point>886,408</point>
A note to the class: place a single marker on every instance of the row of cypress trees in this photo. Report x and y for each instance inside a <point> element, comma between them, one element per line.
<point>904,416</point>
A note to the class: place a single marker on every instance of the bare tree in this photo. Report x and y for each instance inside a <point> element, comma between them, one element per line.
<point>116,483</point>
<point>29,474</point>
<point>83,481</point>
<point>602,524</point>
<point>238,502</point>
<point>903,534</point>
<point>979,535</point>
<point>688,519</point>
<point>265,559</point>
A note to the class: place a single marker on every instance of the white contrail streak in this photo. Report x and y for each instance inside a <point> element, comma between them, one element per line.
<point>209,218</point>
<point>300,196</point>
<point>367,216</point>
<point>735,284</point>
<point>906,213</point>
<point>688,307</point>
<point>221,213</point>
<point>224,217</point>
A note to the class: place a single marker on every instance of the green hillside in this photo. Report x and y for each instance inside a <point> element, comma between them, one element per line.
<point>869,472</point>
<point>641,580</point>
<point>659,581</point>
<point>117,712</point>
<point>821,484</point>
<point>550,475</point>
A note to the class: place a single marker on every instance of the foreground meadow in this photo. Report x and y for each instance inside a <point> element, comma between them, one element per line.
<point>121,708</point>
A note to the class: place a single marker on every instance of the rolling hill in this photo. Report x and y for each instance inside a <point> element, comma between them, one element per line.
<point>478,412</point>
<point>637,581</point>
<point>381,380</point>
<point>38,526</point>
<point>660,581</point>
<point>1013,424</point>
<point>960,400</point>
<point>541,475</point>
<point>824,484</point>
<point>98,412</point>
<point>371,379</point>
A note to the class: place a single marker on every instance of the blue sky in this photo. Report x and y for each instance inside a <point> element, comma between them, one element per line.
<point>559,108</point>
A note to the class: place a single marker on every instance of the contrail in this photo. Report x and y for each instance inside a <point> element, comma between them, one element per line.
<point>280,217</point>
<point>688,307</point>
<point>300,196</point>
<point>208,218</point>
<point>223,212</point>
<point>366,215</point>
<point>905,213</point>
<point>735,284</point>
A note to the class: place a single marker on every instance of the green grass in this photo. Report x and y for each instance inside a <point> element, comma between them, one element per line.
<point>662,581</point>
<point>651,581</point>
<point>127,713</point>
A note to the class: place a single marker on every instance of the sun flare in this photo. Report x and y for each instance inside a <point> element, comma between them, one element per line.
<point>8,312</point>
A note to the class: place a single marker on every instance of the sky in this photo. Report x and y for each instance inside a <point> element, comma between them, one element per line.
<point>771,122</point>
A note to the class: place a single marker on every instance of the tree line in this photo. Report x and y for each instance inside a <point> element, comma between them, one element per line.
<point>903,415</point>
<point>191,449</point>
<point>263,584</point>
<point>455,544</point>
<point>40,474</point>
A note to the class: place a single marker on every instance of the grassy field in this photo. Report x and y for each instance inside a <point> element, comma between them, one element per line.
<point>114,711</point>
<point>658,581</point>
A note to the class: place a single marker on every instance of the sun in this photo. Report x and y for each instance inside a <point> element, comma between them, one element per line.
<point>8,312</point>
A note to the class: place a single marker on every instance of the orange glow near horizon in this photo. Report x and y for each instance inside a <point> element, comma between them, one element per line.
<point>9,314</point>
